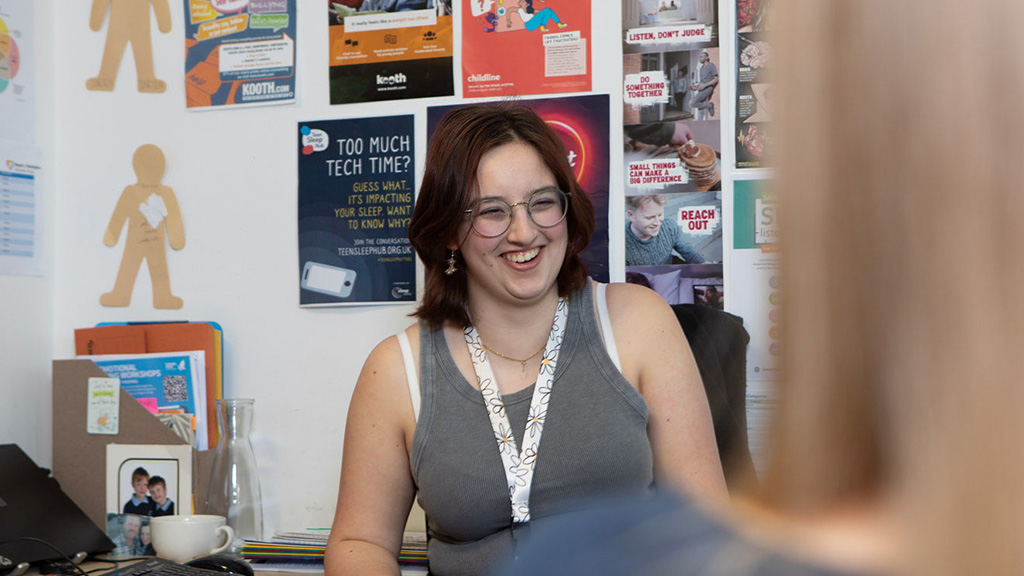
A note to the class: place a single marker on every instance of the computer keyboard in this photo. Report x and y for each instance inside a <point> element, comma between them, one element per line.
<point>161,567</point>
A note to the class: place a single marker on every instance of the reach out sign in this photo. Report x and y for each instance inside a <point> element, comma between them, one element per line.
<point>700,220</point>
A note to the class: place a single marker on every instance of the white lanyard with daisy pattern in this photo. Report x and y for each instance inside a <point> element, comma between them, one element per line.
<point>519,464</point>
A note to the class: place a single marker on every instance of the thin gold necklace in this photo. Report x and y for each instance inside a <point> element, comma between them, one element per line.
<point>521,361</point>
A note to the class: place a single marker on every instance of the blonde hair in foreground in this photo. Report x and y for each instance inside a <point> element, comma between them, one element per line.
<point>902,182</point>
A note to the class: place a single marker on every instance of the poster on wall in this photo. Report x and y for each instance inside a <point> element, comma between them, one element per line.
<point>671,97</point>
<point>581,122</point>
<point>239,52</point>
<point>673,245</point>
<point>20,168</point>
<point>755,275</point>
<point>755,266</point>
<point>17,100</point>
<point>520,47</point>
<point>356,181</point>
<point>753,87</point>
<point>390,50</point>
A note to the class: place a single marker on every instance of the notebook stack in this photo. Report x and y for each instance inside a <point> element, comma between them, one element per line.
<point>307,548</point>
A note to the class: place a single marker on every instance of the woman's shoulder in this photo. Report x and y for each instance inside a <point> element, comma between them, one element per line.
<point>633,302</point>
<point>383,386</point>
<point>386,359</point>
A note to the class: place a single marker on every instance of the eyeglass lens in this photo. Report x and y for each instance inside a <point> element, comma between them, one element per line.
<point>546,208</point>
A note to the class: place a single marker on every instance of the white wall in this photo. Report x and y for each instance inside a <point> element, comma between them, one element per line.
<point>234,173</point>
<point>26,302</point>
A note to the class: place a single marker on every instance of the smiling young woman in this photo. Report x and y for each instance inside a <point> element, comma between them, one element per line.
<point>520,266</point>
<point>514,342</point>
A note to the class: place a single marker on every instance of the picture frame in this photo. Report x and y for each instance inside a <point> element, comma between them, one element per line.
<point>172,463</point>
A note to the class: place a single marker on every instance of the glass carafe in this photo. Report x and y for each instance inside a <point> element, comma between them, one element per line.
<point>234,490</point>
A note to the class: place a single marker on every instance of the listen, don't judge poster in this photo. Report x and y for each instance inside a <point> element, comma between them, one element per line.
<point>356,181</point>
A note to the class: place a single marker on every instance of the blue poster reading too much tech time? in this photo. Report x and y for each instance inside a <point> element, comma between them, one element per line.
<point>356,182</point>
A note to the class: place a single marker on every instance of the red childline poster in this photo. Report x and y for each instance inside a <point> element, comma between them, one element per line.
<point>521,47</point>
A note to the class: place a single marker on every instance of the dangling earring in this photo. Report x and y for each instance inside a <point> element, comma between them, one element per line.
<point>451,269</point>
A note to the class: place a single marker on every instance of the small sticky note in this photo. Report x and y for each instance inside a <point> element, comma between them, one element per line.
<point>149,404</point>
<point>102,411</point>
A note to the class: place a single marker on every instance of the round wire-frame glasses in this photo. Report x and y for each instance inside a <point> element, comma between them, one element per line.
<point>493,216</point>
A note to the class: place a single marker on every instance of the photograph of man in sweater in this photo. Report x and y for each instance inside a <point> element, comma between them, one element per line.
<point>648,241</point>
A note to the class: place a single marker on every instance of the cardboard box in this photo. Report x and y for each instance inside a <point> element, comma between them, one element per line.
<point>79,458</point>
<point>164,337</point>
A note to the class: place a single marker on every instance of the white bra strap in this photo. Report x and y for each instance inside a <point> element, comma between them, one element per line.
<point>606,323</point>
<point>410,373</point>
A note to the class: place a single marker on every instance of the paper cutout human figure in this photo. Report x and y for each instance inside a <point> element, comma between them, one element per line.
<point>151,210</point>
<point>129,22</point>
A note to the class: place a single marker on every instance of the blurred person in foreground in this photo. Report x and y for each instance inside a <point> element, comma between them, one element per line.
<point>897,444</point>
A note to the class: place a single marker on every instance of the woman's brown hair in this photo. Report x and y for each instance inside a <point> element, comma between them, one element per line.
<point>449,185</point>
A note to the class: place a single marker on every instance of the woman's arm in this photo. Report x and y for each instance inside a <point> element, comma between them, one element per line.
<point>376,490</point>
<point>656,358</point>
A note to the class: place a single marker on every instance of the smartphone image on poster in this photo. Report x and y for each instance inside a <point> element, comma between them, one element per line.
<point>327,279</point>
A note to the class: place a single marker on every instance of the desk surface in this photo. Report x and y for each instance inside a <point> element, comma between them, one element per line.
<point>95,567</point>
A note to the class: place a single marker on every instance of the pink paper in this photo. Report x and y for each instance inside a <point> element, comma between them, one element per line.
<point>149,404</point>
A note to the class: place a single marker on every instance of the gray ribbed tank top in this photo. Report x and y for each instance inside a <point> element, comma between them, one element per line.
<point>595,442</point>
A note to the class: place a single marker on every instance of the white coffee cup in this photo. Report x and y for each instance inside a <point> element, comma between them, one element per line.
<point>182,538</point>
